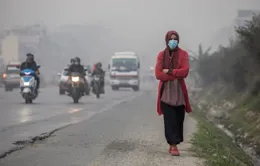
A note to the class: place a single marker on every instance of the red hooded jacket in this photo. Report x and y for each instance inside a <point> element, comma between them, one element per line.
<point>180,72</point>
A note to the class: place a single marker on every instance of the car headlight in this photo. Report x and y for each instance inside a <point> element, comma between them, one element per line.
<point>75,79</point>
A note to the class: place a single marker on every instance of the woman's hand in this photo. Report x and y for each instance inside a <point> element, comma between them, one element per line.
<point>165,71</point>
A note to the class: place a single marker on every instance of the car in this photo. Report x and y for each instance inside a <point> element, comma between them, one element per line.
<point>64,78</point>
<point>2,69</point>
<point>11,76</point>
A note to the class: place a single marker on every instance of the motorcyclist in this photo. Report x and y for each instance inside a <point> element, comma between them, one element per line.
<point>72,61</point>
<point>77,67</point>
<point>99,72</point>
<point>94,67</point>
<point>88,68</point>
<point>31,64</point>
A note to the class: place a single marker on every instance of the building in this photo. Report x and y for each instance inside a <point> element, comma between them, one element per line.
<point>29,38</point>
<point>10,49</point>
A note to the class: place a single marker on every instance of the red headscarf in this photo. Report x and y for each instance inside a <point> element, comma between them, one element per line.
<point>167,49</point>
<point>168,36</point>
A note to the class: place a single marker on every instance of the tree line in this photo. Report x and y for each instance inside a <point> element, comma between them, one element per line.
<point>237,66</point>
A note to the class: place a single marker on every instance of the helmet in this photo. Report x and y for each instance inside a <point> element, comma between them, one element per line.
<point>30,57</point>
<point>77,60</point>
<point>99,65</point>
<point>72,60</point>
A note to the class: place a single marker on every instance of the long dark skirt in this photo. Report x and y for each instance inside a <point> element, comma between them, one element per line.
<point>173,123</point>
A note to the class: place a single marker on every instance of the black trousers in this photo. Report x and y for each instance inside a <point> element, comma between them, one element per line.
<point>173,123</point>
<point>37,78</point>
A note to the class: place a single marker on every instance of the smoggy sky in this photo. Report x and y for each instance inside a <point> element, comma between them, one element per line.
<point>195,20</point>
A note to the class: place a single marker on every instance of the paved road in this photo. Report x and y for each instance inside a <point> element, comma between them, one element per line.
<point>19,121</point>
<point>129,133</point>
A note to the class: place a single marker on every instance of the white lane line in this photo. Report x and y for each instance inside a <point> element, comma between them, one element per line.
<point>115,103</point>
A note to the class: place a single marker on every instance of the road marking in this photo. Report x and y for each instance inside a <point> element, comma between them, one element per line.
<point>115,103</point>
<point>74,110</point>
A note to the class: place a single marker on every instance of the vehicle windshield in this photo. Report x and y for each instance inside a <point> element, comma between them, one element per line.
<point>12,70</point>
<point>75,74</point>
<point>124,64</point>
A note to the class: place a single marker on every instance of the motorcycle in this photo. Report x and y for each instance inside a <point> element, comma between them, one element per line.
<point>97,86</point>
<point>76,87</point>
<point>28,85</point>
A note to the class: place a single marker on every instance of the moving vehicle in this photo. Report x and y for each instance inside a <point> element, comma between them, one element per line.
<point>76,87</point>
<point>124,71</point>
<point>28,85</point>
<point>96,86</point>
<point>2,69</point>
<point>11,76</point>
<point>63,85</point>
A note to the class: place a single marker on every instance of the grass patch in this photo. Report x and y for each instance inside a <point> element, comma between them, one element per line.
<point>254,105</point>
<point>216,147</point>
<point>245,120</point>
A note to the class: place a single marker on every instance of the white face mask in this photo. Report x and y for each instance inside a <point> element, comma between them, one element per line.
<point>173,44</point>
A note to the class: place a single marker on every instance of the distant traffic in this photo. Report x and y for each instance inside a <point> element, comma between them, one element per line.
<point>75,80</point>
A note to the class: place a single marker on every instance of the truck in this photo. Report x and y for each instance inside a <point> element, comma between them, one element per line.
<point>124,71</point>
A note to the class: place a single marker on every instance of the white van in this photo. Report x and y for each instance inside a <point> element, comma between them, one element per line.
<point>124,71</point>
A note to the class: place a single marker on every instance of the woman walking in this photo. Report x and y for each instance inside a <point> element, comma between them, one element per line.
<point>172,67</point>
